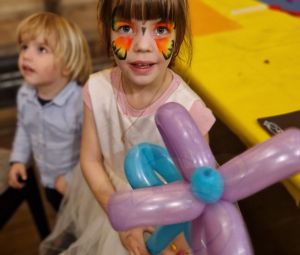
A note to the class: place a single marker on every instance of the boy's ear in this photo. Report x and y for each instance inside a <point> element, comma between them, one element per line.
<point>66,72</point>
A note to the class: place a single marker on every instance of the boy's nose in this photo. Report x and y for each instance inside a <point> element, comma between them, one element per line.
<point>27,54</point>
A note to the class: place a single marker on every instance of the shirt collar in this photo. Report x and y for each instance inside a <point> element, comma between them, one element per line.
<point>59,100</point>
<point>63,96</point>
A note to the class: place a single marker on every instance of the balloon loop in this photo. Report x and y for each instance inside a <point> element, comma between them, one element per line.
<point>207,184</point>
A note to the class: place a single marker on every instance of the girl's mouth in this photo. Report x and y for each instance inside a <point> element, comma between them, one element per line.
<point>142,65</point>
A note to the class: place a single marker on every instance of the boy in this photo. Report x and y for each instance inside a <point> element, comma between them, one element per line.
<point>54,60</point>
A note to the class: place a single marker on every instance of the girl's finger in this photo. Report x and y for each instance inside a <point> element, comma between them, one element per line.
<point>149,229</point>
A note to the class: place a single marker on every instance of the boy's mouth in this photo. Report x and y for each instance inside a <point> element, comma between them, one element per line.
<point>27,69</point>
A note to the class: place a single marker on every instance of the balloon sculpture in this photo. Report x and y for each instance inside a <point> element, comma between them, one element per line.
<point>206,196</point>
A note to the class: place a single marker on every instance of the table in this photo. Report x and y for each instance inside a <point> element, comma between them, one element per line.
<point>245,65</point>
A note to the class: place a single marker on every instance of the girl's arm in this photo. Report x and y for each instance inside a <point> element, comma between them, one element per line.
<point>92,162</point>
<point>93,170</point>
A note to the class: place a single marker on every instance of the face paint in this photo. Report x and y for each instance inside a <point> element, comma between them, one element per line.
<point>163,39</point>
<point>124,26</point>
<point>143,30</point>
<point>166,47</point>
<point>114,21</point>
<point>121,46</point>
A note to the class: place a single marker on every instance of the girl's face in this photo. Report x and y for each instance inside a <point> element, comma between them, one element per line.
<point>38,64</point>
<point>143,49</point>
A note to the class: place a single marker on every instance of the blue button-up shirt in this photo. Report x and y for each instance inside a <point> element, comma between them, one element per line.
<point>51,133</point>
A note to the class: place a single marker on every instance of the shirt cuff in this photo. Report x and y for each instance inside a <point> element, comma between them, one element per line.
<point>18,157</point>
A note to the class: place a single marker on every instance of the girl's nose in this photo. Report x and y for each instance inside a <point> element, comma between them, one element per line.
<point>143,41</point>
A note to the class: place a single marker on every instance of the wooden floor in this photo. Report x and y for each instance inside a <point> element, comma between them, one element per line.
<point>19,236</point>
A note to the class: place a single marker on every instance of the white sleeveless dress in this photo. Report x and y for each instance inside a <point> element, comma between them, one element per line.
<point>82,227</point>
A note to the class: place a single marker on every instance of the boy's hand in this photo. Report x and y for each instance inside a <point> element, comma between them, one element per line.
<point>17,176</point>
<point>61,184</point>
<point>133,241</point>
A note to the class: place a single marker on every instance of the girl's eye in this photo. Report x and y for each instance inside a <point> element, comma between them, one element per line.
<point>125,29</point>
<point>161,30</point>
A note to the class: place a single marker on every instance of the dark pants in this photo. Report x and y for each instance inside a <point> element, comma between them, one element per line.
<point>54,198</point>
<point>11,199</point>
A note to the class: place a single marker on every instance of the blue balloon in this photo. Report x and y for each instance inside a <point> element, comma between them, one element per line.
<point>149,165</point>
<point>164,235</point>
<point>207,184</point>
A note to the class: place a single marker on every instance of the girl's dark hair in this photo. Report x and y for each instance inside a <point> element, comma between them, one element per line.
<point>170,10</point>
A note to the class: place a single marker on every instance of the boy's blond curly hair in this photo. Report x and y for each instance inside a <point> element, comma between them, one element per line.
<point>64,37</point>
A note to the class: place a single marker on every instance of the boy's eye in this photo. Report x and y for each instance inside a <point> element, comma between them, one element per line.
<point>42,49</point>
<point>23,46</point>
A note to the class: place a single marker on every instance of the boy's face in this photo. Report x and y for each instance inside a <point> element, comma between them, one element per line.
<point>143,49</point>
<point>38,64</point>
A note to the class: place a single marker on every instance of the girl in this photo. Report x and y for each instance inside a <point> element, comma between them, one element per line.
<point>54,60</point>
<point>144,37</point>
<point>120,103</point>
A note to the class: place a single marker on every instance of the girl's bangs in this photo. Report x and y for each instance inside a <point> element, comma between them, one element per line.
<point>145,9</point>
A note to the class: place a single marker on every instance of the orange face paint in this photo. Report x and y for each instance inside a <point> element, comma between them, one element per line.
<point>169,26</point>
<point>116,25</point>
<point>164,42</point>
<point>121,46</point>
<point>122,43</point>
<point>166,47</point>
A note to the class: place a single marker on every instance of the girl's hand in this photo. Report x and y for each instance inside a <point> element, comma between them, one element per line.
<point>61,184</point>
<point>17,175</point>
<point>133,241</point>
<point>178,247</point>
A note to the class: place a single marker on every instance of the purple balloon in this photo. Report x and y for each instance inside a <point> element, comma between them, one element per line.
<point>217,229</point>
<point>262,165</point>
<point>181,137</point>
<point>160,205</point>
<point>220,231</point>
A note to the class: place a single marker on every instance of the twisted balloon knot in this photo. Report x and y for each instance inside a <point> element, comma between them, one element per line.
<point>207,185</point>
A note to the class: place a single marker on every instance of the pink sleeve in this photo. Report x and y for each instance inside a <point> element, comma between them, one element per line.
<point>86,96</point>
<point>202,116</point>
